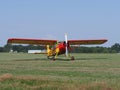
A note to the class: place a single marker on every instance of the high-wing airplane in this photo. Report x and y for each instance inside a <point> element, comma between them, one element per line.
<point>57,48</point>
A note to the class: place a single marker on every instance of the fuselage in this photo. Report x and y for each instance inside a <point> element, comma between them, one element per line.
<point>62,47</point>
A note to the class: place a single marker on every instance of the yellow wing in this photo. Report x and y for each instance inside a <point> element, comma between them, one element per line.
<point>86,42</point>
<point>31,41</point>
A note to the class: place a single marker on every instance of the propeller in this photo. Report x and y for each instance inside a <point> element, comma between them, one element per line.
<point>66,41</point>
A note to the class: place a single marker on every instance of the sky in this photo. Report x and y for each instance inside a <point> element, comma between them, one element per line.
<point>51,19</point>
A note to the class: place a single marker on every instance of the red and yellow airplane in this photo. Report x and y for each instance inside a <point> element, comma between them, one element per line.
<point>58,48</point>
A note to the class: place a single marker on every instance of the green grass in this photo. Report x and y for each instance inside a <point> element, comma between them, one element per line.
<point>22,71</point>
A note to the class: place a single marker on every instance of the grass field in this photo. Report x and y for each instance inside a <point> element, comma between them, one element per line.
<point>22,71</point>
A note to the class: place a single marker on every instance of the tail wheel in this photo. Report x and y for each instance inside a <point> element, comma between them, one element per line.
<point>72,58</point>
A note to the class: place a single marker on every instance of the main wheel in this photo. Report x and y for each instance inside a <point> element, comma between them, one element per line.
<point>53,58</point>
<point>72,58</point>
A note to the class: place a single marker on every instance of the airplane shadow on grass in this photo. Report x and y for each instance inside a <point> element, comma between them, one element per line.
<point>90,58</point>
<point>43,59</point>
<point>59,59</point>
<point>33,59</point>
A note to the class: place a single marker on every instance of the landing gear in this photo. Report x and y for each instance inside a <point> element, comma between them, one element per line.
<point>53,58</point>
<point>72,58</point>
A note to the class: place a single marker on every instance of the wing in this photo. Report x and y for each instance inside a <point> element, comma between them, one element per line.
<point>86,42</point>
<point>31,41</point>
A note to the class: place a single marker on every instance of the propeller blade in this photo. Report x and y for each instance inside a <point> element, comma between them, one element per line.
<point>66,41</point>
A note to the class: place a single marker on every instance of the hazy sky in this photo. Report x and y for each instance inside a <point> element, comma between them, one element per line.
<point>50,19</point>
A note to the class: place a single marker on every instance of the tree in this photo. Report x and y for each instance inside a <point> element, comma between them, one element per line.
<point>7,47</point>
<point>1,49</point>
<point>116,47</point>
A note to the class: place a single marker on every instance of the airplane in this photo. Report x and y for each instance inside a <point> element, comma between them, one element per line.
<point>55,47</point>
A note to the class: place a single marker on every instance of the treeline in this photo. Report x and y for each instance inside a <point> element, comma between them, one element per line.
<point>20,48</point>
<point>79,49</point>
